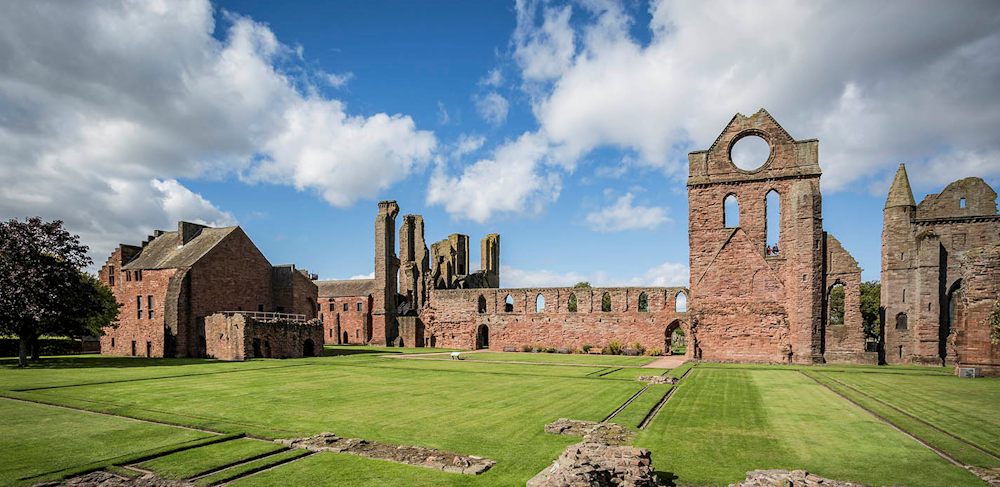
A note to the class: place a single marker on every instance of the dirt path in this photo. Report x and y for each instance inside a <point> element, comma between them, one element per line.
<point>668,362</point>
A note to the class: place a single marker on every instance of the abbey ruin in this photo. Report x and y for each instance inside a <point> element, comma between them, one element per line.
<point>747,302</point>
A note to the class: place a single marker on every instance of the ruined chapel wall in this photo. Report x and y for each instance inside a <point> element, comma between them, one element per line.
<point>844,343</point>
<point>336,320</point>
<point>454,317</point>
<point>980,278</point>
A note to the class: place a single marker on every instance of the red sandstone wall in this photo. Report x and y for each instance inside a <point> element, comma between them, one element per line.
<point>357,324</point>
<point>453,319</point>
<point>131,327</point>
<point>980,276</point>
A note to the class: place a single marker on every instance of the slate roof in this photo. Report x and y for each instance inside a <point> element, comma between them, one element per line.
<point>345,287</point>
<point>163,252</point>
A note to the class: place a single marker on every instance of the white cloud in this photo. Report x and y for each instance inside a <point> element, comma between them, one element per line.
<point>915,81</point>
<point>492,107</point>
<point>467,144</point>
<point>104,106</point>
<point>510,182</point>
<point>370,275</point>
<point>493,78</point>
<point>666,274</point>
<point>338,80</point>
<point>443,117</point>
<point>623,215</point>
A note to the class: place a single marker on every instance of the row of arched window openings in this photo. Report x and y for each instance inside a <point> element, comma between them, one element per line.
<point>680,303</point>
<point>772,217</point>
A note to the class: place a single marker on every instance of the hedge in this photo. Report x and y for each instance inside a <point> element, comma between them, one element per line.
<point>47,346</point>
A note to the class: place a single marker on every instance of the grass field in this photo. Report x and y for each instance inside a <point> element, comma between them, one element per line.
<point>722,421</point>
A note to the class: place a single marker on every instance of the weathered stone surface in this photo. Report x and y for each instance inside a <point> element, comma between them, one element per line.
<point>104,478</point>
<point>595,464</point>
<point>239,337</point>
<point>795,478</point>
<point>432,458</point>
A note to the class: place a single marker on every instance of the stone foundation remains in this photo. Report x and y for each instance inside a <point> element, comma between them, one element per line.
<point>432,458</point>
<point>599,465</point>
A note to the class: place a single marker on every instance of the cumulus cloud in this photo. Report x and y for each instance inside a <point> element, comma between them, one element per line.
<point>106,106</point>
<point>666,274</point>
<point>915,82</point>
<point>509,182</point>
<point>492,107</point>
<point>370,275</point>
<point>467,144</point>
<point>493,78</point>
<point>623,215</point>
<point>338,80</point>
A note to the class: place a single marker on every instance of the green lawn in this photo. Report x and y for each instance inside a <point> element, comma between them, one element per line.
<point>565,358</point>
<point>722,421</point>
<point>369,350</point>
<point>38,440</point>
<point>951,403</point>
<point>632,416</point>
<point>250,467</point>
<point>190,463</point>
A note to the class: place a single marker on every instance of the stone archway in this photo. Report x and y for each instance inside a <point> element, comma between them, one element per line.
<point>668,335</point>
<point>483,337</point>
<point>308,348</point>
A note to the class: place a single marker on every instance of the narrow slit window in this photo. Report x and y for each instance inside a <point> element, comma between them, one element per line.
<point>731,212</point>
<point>138,305</point>
<point>961,203</point>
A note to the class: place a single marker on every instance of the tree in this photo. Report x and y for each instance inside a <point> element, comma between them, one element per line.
<point>582,285</point>
<point>871,302</point>
<point>41,285</point>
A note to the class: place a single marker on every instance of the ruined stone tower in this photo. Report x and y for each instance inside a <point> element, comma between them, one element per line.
<point>750,305</point>
<point>414,266</point>
<point>926,292</point>
<point>489,259</point>
<point>384,326</point>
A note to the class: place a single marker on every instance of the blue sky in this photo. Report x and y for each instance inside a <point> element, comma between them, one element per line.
<point>562,126</point>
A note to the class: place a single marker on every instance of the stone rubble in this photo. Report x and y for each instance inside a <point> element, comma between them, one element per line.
<point>103,478</point>
<point>658,379</point>
<point>591,464</point>
<point>795,478</point>
<point>592,432</point>
<point>432,458</point>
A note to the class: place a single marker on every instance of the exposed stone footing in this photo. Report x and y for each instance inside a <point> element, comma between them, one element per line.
<point>432,458</point>
<point>795,478</point>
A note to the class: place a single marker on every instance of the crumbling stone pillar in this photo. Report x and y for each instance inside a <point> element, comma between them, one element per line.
<point>384,326</point>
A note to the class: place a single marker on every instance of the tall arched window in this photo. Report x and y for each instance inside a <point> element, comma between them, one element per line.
<point>773,221</point>
<point>901,321</point>
<point>508,304</point>
<point>731,212</point>
<point>643,303</point>
<point>572,303</point>
<point>835,297</point>
<point>606,303</point>
<point>681,302</point>
<point>539,303</point>
<point>482,303</point>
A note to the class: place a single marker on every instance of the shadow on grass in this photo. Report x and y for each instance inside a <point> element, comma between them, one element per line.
<point>668,478</point>
<point>100,361</point>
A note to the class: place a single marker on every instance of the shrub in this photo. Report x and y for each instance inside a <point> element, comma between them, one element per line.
<point>614,348</point>
<point>586,348</point>
<point>550,349</point>
<point>638,346</point>
<point>654,352</point>
<point>525,348</point>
